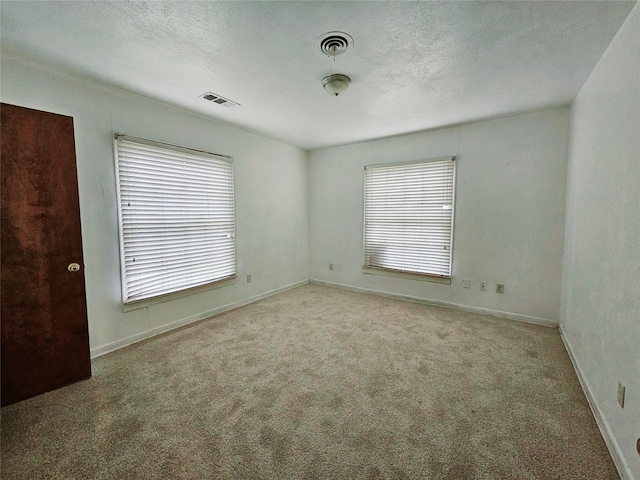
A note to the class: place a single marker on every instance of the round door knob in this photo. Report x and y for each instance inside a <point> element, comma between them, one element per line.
<point>73,267</point>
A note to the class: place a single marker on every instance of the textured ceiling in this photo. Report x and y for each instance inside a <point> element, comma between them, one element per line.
<point>413,65</point>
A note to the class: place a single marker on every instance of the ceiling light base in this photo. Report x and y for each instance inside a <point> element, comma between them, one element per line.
<point>336,84</point>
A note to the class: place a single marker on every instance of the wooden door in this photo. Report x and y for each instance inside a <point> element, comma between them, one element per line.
<point>45,341</point>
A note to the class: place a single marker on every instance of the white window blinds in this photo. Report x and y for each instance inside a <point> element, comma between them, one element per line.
<point>408,217</point>
<point>177,220</point>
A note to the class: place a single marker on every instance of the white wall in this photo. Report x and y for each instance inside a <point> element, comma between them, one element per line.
<point>509,217</point>
<point>271,197</point>
<point>601,277</point>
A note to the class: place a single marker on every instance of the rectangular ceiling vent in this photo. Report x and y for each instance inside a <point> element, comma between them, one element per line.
<point>225,102</point>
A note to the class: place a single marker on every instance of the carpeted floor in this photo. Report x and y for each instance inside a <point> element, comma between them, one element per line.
<point>319,383</point>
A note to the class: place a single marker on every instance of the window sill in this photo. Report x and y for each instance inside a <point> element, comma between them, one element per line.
<point>407,275</point>
<point>147,302</point>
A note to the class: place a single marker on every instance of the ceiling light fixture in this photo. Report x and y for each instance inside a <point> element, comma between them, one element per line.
<point>336,84</point>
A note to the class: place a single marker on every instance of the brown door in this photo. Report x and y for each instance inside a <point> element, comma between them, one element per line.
<point>45,341</point>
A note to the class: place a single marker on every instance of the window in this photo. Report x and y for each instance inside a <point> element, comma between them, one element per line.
<point>408,217</point>
<point>177,220</point>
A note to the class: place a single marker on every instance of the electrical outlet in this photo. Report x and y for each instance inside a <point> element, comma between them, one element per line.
<point>466,283</point>
<point>331,266</point>
<point>248,278</point>
<point>621,390</point>
<point>499,288</point>
<point>483,286</point>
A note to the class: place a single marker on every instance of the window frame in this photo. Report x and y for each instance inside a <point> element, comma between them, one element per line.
<point>408,274</point>
<point>135,304</point>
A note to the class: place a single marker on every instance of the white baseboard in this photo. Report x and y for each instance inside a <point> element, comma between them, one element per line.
<point>467,308</point>
<point>125,342</point>
<point>603,425</point>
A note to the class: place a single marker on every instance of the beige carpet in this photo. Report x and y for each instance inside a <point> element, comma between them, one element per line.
<point>319,383</point>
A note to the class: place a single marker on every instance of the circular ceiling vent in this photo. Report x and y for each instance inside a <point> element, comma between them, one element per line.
<point>333,44</point>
